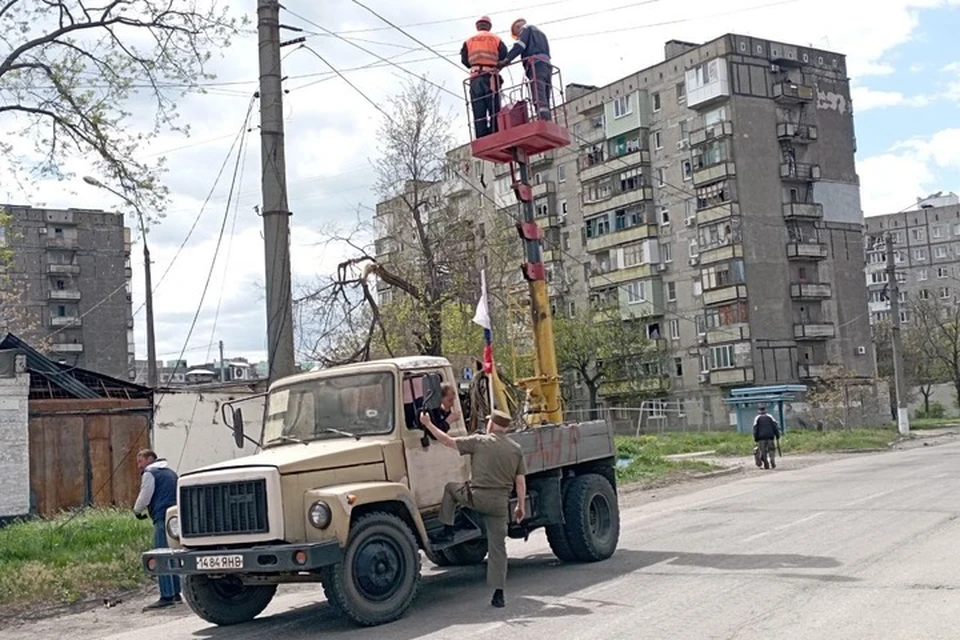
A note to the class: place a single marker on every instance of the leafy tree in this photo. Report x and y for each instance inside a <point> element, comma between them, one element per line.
<point>938,334</point>
<point>921,367</point>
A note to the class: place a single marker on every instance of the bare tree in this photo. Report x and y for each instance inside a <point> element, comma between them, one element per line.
<point>939,333</point>
<point>73,70</point>
<point>922,368</point>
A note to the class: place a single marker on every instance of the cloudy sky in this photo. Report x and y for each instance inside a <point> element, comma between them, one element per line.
<point>906,80</point>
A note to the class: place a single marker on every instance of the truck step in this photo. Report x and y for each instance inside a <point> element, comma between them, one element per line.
<point>458,538</point>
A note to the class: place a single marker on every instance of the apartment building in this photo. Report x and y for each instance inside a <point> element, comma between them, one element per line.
<point>70,280</point>
<point>926,242</point>
<point>714,195</point>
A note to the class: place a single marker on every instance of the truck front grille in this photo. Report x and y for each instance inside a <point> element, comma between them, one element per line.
<point>224,509</point>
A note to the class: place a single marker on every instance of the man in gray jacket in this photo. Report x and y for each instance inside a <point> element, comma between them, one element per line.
<point>765,432</point>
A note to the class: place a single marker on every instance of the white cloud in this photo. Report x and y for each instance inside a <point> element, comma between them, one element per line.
<point>865,99</point>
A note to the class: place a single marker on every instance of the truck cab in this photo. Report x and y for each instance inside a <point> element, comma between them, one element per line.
<point>345,492</point>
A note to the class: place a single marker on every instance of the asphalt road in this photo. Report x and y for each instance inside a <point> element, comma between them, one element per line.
<point>860,547</point>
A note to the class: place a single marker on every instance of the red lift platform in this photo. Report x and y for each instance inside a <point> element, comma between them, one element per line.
<point>531,119</point>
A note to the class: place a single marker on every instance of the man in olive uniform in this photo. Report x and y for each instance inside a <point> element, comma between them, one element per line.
<point>496,465</point>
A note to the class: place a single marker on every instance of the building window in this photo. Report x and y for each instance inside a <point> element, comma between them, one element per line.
<point>661,178</point>
<point>920,254</point>
<point>681,93</point>
<point>672,291</point>
<point>704,363</point>
<point>61,311</point>
<point>904,316</point>
<point>917,234</point>
<point>722,357</point>
<point>938,231</point>
<point>924,294</point>
<point>633,254</point>
<point>61,285</point>
<point>566,241</point>
<point>599,226</point>
<point>713,195</point>
<point>622,106</point>
<point>694,248</point>
<point>674,329</point>
<point>944,293</point>
<point>656,102</point>
<point>678,367</point>
<point>572,309</point>
<point>956,229</point>
<point>664,215</point>
<point>685,130</point>
<point>561,173</point>
<point>563,207</point>
<point>940,252</point>
<point>943,272</point>
<point>658,139</point>
<point>687,170</point>
<point>666,253</point>
<point>697,287</point>
<point>701,326</point>
<point>921,275</point>
<point>635,292</point>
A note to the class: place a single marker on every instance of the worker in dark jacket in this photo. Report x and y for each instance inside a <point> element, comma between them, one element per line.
<point>534,50</point>
<point>765,432</point>
<point>158,492</point>
<point>481,53</point>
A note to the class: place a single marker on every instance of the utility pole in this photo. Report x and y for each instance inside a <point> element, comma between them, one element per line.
<point>276,212</point>
<point>893,287</point>
<point>223,365</point>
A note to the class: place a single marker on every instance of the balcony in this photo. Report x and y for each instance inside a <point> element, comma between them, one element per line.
<point>63,269</point>
<point>810,290</point>
<point>638,232</point>
<point>711,132</point>
<point>799,171</point>
<point>797,133</point>
<point>64,294</point>
<point>550,220</point>
<point>603,279</point>
<point>814,331</point>
<point>817,371</point>
<point>792,93</point>
<point>552,255</point>
<point>718,212</point>
<point>725,294</point>
<point>53,241</point>
<point>740,332</point>
<point>67,347</point>
<point>618,201</point>
<point>729,377</point>
<point>66,321</point>
<point>547,187</point>
<point>542,158</point>
<point>721,254</point>
<point>807,251</point>
<point>590,132</point>
<point>615,163</point>
<point>803,210</point>
<point>714,173</point>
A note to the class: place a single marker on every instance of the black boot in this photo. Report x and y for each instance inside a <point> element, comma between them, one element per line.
<point>497,600</point>
<point>162,603</point>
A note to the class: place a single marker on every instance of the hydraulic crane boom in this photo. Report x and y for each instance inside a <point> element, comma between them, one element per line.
<point>525,128</point>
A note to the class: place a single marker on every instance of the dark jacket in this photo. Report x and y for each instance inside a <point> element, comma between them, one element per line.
<point>765,428</point>
<point>164,491</point>
<point>532,42</point>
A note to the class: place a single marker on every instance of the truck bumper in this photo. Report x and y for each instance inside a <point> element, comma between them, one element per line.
<point>287,558</point>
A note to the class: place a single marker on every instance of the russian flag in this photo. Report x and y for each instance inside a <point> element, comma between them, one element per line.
<point>482,318</point>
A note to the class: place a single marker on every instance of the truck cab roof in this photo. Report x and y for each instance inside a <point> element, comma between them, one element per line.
<point>405,363</point>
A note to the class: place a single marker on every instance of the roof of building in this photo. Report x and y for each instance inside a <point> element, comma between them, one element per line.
<point>52,380</point>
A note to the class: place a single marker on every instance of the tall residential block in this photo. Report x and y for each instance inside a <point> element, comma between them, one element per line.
<point>715,195</point>
<point>69,285</point>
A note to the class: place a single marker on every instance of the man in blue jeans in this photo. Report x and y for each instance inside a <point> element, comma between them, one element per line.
<point>158,492</point>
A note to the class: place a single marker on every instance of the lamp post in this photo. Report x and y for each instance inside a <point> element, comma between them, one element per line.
<point>151,342</point>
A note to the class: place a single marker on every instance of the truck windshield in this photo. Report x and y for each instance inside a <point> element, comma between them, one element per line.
<point>357,405</point>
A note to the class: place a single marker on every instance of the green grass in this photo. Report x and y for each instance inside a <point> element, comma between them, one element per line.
<point>933,423</point>
<point>55,561</point>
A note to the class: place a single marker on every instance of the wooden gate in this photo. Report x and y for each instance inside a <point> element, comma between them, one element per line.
<point>84,452</point>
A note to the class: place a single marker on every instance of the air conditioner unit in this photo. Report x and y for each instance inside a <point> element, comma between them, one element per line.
<point>861,351</point>
<point>703,378</point>
<point>683,144</point>
<point>662,266</point>
<point>694,261</point>
<point>42,231</point>
<point>690,221</point>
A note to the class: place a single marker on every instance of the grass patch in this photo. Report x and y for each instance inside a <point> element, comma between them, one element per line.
<point>55,561</point>
<point>648,466</point>
<point>934,423</point>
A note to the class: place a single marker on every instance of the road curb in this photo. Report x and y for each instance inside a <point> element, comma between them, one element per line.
<point>634,487</point>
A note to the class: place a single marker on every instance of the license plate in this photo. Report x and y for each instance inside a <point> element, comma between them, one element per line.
<point>219,563</point>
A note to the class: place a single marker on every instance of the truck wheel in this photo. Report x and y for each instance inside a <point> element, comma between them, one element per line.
<point>226,601</point>
<point>377,579</point>
<point>438,558</point>
<point>557,537</point>
<point>467,553</point>
<point>592,517</point>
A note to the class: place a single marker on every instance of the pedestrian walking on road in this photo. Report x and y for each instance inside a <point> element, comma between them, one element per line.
<point>496,465</point>
<point>765,432</point>
<point>158,492</point>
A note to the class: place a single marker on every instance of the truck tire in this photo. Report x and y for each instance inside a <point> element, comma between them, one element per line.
<point>226,601</point>
<point>377,579</point>
<point>557,538</point>
<point>438,558</point>
<point>467,553</point>
<point>592,518</point>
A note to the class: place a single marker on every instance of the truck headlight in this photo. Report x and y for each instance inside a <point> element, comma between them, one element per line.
<point>320,515</point>
<point>173,527</point>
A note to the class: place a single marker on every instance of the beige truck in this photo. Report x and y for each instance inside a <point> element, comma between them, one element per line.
<point>346,489</point>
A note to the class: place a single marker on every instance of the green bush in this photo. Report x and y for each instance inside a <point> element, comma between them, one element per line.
<point>937,412</point>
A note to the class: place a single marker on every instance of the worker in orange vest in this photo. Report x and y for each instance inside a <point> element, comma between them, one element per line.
<point>481,53</point>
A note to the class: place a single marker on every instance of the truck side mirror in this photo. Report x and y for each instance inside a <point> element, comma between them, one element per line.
<point>238,427</point>
<point>432,392</point>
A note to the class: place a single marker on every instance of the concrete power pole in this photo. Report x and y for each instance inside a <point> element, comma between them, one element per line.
<point>223,365</point>
<point>893,287</point>
<point>276,212</point>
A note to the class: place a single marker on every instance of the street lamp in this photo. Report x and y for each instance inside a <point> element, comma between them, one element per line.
<point>151,342</point>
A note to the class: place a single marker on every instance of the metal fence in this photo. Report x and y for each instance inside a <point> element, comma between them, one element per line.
<point>652,416</point>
